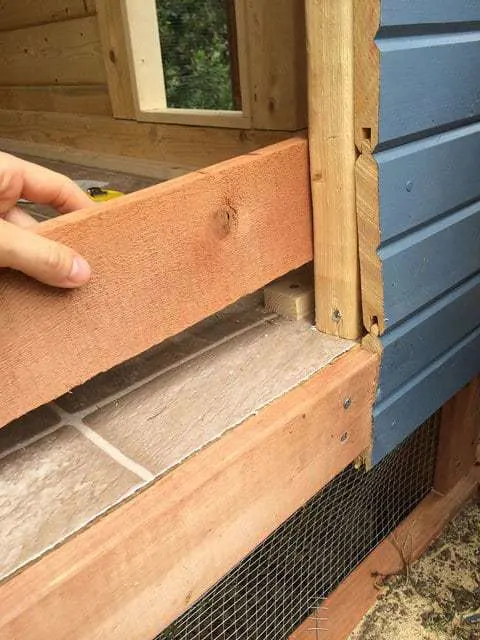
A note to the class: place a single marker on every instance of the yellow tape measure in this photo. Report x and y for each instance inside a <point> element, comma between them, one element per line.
<point>102,195</point>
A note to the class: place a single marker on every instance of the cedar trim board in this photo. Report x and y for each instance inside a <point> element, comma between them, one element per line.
<point>136,569</point>
<point>163,259</point>
<point>398,415</point>
<point>347,605</point>
<point>429,77</point>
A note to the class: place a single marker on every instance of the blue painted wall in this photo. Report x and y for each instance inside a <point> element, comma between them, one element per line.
<point>429,198</point>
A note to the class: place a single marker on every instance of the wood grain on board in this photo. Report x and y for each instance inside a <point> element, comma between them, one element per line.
<point>115,56</point>
<point>56,53</point>
<point>88,99</point>
<point>16,15</point>
<point>177,148</point>
<point>411,79</point>
<point>162,259</point>
<point>332,166</point>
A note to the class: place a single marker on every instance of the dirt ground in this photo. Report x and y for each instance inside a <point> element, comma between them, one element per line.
<point>430,602</point>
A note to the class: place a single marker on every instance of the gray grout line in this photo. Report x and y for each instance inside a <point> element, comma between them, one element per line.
<point>107,447</point>
<point>141,383</point>
<point>26,443</point>
<point>76,419</point>
<point>114,453</point>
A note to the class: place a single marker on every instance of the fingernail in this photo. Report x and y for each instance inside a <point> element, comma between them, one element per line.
<point>80,271</point>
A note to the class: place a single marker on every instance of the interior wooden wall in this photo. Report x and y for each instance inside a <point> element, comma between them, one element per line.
<point>51,58</point>
<point>54,91</point>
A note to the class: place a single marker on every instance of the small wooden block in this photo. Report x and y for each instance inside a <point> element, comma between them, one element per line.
<point>293,295</point>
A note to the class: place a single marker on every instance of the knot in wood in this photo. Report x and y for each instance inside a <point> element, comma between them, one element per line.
<point>226,221</point>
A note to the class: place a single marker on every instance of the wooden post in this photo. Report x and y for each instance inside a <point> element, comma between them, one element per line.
<point>332,162</point>
<point>459,437</point>
<point>115,55</point>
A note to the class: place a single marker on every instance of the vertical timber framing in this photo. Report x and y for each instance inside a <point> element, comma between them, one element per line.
<point>116,58</point>
<point>333,155</point>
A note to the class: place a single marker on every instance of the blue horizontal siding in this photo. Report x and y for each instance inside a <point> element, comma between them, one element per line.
<point>429,209</point>
<point>420,267</point>
<point>413,12</point>
<point>427,82</point>
<point>428,178</point>
<point>398,416</point>
<point>416,343</point>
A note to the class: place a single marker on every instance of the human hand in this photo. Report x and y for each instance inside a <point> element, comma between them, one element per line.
<point>20,247</point>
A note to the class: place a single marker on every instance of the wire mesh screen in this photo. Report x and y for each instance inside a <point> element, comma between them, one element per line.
<point>286,578</point>
<point>199,53</point>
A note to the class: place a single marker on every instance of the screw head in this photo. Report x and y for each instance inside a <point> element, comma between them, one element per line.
<point>347,403</point>
<point>336,315</point>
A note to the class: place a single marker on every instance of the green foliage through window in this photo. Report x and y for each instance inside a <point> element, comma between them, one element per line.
<point>195,51</point>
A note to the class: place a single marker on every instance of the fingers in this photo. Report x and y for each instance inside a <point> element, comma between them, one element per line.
<point>43,259</point>
<point>22,179</point>
<point>21,218</point>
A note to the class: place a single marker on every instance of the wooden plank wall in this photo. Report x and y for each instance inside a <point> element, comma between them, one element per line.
<point>51,59</point>
<point>418,202</point>
<point>64,74</point>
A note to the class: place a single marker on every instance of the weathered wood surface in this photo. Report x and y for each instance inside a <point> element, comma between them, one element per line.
<point>162,259</point>
<point>174,540</point>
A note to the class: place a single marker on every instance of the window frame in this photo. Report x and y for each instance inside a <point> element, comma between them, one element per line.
<point>147,79</point>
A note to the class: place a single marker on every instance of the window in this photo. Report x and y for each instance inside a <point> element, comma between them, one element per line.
<point>185,61</point>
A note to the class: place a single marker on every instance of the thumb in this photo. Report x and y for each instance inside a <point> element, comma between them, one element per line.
<point>43,259</point>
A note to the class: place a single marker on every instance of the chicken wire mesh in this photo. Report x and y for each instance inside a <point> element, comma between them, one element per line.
<point>285,578</point>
